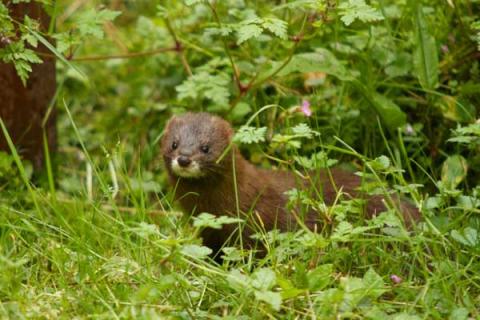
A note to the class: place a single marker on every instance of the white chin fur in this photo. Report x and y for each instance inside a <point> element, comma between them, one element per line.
<point>192,171</point>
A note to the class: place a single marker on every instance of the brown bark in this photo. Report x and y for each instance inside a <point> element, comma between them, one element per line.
<point>23,108</point>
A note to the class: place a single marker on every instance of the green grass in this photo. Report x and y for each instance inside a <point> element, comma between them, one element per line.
<point>64,255</point>
<point>394,96</point>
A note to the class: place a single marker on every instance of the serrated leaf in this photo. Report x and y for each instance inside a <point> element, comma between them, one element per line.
<point>248,31</point>
<point>276,26</point>
<point>303,130</point>
<point>90,22</point>
<point>205,85</point>
<point>247,134</point>
<point>204,220</point>
<point>358,9</point>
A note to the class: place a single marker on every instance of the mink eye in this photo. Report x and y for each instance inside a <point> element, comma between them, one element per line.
<point>205,149</point>
<point>174,145</point>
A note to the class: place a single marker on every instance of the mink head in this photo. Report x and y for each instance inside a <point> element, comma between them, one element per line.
<point>192,144</point>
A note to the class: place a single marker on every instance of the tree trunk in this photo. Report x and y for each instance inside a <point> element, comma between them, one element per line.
<point>23,108</point>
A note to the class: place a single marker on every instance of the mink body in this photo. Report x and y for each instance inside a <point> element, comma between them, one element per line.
<point>191,145</point>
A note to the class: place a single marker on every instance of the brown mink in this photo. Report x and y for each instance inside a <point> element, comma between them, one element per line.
<point>192,144</point>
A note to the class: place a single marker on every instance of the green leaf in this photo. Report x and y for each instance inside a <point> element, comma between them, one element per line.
<point>459,314</point>
<point>455,109</point>
<point>248,31</point>
<point>425,57</point>
<point>195,251</point>
<point>276,26</point>
<point>240,111</point>
<point>248,135</point>
<point>374,286</point>
<point>358,9</point>
<point>205,85</point>
<point>320,277</point>
<point>454,171</point>
<point>320,61</point>
<point>303,130</point>
<point>239,281</point>
<point>468,237</point>
<point>90,22</point>
<point>274,299</point>
<point>389,111</point>
<point>263,279</point>
<point>476,26</point>
<point>193,2</point>
<point>145,230</point>
<point>205,220</point>
<point>380,163</point>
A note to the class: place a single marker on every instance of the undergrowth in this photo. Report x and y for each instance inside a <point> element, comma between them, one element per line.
<point>387,89</point>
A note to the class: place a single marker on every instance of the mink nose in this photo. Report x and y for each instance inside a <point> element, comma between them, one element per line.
<point>184,161</point>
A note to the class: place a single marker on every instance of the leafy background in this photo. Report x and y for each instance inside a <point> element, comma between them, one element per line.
<point>392,86</point>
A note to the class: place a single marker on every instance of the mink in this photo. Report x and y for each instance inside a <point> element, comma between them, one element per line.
<point>210,175</point>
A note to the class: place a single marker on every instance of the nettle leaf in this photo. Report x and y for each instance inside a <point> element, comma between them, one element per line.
<point>247,134</point>
<point>276,26</point>
<point>248,31</point>
<point>358,9</point>
<point>207,220</point>
<point>205,85</point>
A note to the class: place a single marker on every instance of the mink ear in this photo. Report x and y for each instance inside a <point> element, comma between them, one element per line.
<point>227,130</point>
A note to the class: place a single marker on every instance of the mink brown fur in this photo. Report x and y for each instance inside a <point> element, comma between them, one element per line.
<point>191,145</point>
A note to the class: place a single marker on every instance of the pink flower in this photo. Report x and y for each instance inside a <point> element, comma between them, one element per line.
<point>395,279</point>
<point>305,108</point>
